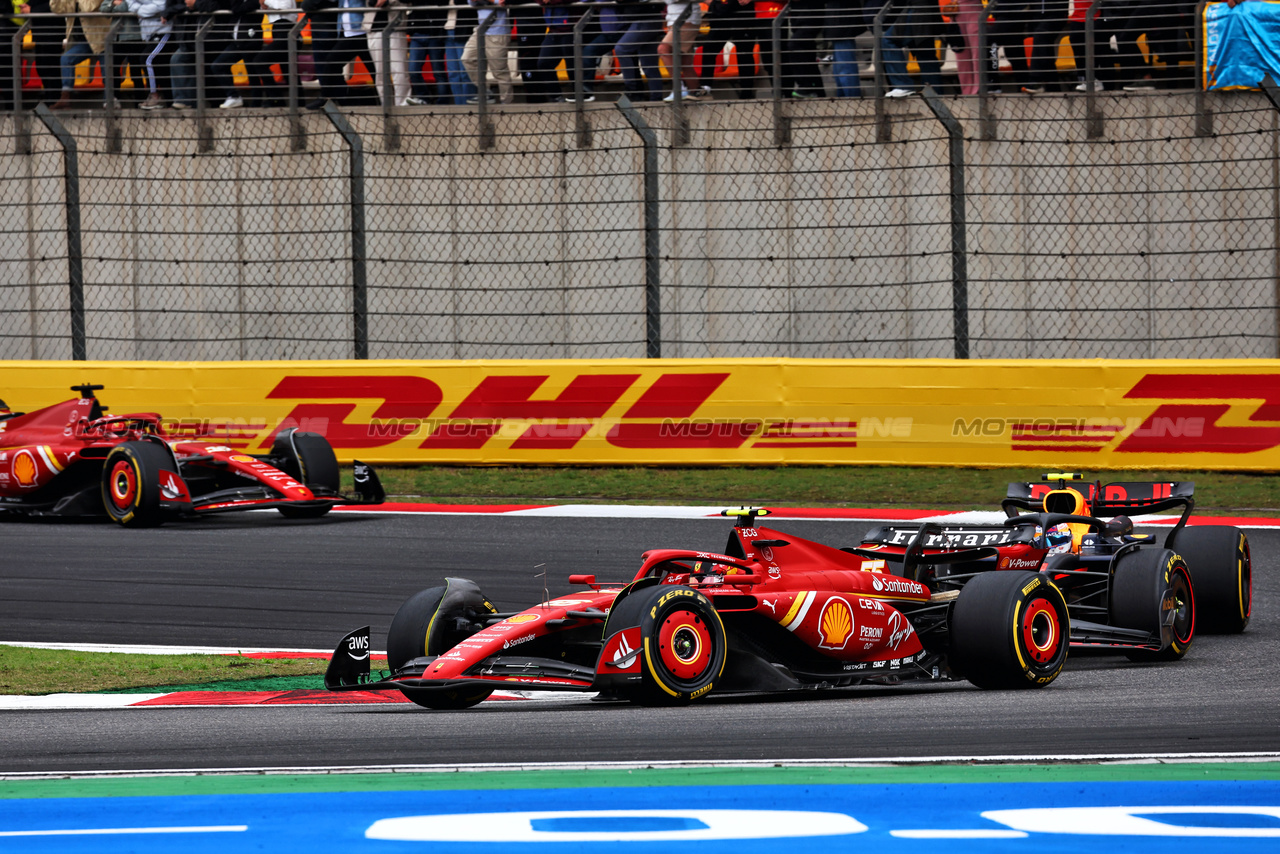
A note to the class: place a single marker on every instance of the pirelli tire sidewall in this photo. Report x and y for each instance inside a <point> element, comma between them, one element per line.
<point>131,483</point>
<point>683,644</point>
<point>1010,629</point>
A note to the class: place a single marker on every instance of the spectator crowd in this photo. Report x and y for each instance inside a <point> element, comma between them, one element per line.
<point>433,51</point>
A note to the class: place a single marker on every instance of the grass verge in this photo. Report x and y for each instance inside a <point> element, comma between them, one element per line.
<point>1217,493</point>
<point>24,670</point>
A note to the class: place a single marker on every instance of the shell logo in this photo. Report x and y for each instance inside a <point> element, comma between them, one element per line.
<point>522,618</point>
<point>835,624</point>
<point>24,468</point>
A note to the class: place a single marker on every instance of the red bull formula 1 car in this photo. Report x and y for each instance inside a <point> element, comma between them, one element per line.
<point>73,459</point>
<point>773,613</point>
<point>1200,575</point>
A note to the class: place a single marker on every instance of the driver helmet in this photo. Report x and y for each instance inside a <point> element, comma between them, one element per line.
<point>1058,538</point>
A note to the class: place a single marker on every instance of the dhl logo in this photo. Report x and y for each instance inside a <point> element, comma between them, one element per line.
<point>661,417</point>
<point>1181,427</point>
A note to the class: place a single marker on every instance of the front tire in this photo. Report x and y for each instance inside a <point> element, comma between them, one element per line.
<point>1010,630</point>
<point>1218,556</point>
<point>447,699</point>
<point>131,483</point>
<point>683,645</point>
<point>1138,600</point>
<point>309,459</point>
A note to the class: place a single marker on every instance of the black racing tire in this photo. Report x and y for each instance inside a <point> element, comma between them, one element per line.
<point>309,459</point>
<point>407,637</point>
<point>131,483</point>
<point>1218,557</point>
<point>1010,629</point>
<point>447,699</point>
<point>1137,600</point>
<point>426,625</point>
<point>683,648</point>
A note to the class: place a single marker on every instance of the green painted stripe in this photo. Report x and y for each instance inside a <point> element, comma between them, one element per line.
<point>254,784</point>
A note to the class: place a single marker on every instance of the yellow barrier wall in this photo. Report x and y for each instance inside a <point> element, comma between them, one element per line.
<point>1222,414</point>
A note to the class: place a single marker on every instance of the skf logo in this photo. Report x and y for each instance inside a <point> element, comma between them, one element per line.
<point>835,624</point>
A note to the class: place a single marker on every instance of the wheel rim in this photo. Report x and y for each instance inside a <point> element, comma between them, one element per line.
<point>1041,631</point>
<point>1185,619</point>
<point>684,644</point>
<point>123,488</point>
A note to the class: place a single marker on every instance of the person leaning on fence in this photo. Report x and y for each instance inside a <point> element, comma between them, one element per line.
<point>637,49</point>
<point>155,31</point>
<point>1104,72</point>
<point>46,46</point>
<point>557,47</point>
<point>337,38</point>
<point>85,38</point>
<point>232,38</point>
<point>459,24</point>
<point>496,42</point>
<point>281,15</point>
<point>688,32</point>
<point>600,37</point>
<point>843,25</point>
<point>915,26</point>
<point>732,21</point>
<point>425,23</point>
<point>800,75</point>
<point>186,16</point>
<point>376,23</point>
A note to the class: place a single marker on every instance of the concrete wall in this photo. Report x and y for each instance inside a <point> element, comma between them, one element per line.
<point>1149,242</point>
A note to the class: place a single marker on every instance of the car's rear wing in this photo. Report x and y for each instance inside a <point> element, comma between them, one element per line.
<point>945,544</point>
<point>1112,499</point>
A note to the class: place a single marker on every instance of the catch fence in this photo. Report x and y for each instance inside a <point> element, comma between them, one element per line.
<point>1096,224</point>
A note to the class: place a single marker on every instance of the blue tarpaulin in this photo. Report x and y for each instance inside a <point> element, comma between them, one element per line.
<point>1242,45</point>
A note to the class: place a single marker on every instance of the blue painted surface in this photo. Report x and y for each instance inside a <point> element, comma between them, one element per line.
<point>337,822</point>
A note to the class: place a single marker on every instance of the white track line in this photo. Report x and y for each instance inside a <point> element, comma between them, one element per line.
<point>885,762</point>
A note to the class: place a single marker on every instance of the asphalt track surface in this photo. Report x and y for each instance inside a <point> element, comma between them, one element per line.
<point>257,580</point>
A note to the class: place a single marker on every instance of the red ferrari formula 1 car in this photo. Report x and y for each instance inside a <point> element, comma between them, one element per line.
<point>773,613</point>
<point>1125,591</point>
<point>72,459</point>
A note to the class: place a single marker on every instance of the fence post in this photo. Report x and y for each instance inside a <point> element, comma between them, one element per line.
<point>204,132</point>
<point>1092,115</point>
<point>679,121</point>
<point>75,257</point>
<point>884,129</point>
<point>486,130</point>
<point>1269,88</point>
<point>781,123</point>
<point>359,279</point>
<point>21,124</point>
<point>580,125</point>
<point>986,121</point>
<point>297,134</point>
<point>1204,113</point>
<point>109,102</point>
<point>390,125</point>
<point>959,249</point>
<point>652,270</point>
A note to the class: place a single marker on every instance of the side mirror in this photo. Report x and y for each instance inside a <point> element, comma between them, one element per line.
<point>1118,527</point>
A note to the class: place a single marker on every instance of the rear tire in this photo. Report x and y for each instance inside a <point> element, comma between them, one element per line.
<point>131,483</point>
<point>1218,557</point>
<point>1010,630</point>
<point>1137,600</point>
<point>309,459</point>
<point>683,645</point>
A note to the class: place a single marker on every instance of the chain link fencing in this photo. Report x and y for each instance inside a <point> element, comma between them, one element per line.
<point>1056,224</point>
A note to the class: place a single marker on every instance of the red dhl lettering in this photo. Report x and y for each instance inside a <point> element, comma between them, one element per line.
<point>1158,434</point>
